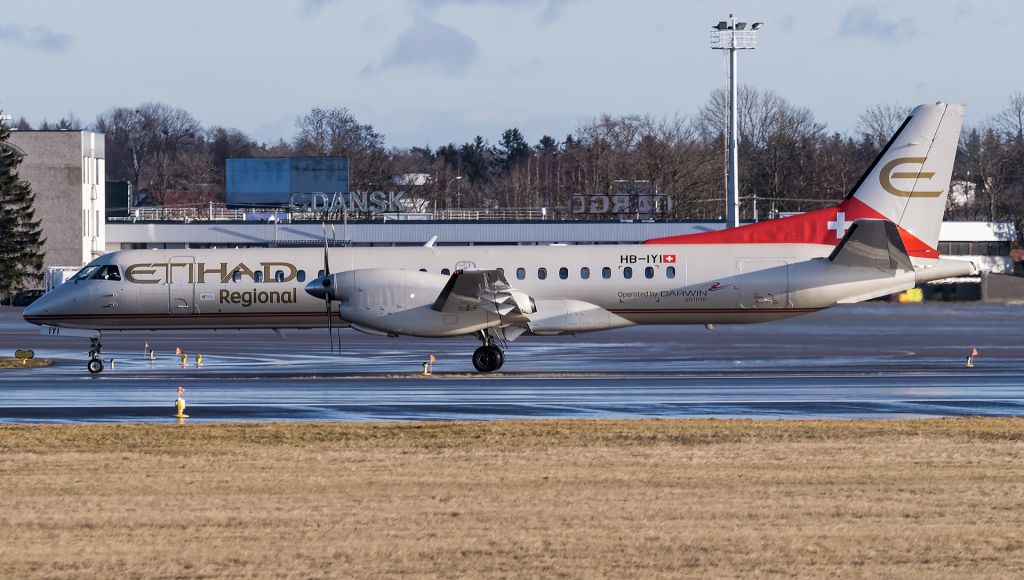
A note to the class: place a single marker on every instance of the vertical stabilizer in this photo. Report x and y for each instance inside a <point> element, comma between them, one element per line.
<point>907,184</point>
<point>909,181</point>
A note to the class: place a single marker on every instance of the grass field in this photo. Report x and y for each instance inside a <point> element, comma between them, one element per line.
<point>934,498</point>
<point>9,362</point>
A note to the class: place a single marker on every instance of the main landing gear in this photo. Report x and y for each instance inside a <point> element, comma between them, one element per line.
<point>488,358</point>
<point>95,365</point>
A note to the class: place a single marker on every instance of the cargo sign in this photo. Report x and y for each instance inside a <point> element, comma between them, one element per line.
<point>622,204</point>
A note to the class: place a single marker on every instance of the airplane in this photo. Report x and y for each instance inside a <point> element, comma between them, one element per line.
<point>880,240</point>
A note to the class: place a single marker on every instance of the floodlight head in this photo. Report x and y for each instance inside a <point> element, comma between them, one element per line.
<point>757,25</point>
<point>741,26</point>
<point>723,25</point>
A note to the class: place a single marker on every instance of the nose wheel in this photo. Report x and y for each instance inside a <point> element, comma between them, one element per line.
<point>95,364</point>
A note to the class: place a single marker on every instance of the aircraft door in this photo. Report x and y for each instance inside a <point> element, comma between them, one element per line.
<point>181,288</point>
<point>764,283</point>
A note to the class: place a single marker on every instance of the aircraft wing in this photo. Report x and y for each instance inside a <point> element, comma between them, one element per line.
<point>486,289</point>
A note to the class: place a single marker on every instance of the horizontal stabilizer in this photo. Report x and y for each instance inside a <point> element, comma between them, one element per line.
<point>872,243</point>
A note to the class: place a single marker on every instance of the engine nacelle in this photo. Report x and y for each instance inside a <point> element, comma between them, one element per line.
<point>572,316</point>
<point>400,302</point>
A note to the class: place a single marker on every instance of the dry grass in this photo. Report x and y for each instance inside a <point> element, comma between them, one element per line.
<point>544,498</point>
<point>7,362</point>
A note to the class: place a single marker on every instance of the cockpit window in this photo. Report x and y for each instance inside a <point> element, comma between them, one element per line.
<point>84,274</point>
<point>109,272</point>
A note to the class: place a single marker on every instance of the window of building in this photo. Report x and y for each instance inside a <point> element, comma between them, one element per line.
<point>670,272</point>
<point>606,272</point>
<point>301,276</point>
<point>521,273</point>
<point>649,272</point>
<point>542,273</point>
<point>584,273</point>
<point>563,273</point>
<point>627,272</point>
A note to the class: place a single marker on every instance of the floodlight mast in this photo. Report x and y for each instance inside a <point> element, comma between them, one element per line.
<point>732,36</point>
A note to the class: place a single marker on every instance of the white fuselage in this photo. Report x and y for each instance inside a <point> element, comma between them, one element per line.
<point>634,284</point>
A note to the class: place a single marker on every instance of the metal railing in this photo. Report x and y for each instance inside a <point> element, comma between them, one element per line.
<point>188,214</point>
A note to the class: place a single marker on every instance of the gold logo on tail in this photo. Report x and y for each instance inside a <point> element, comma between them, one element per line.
<point>887,175</point>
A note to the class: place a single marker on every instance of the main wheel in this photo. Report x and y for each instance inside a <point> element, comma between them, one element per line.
<point>487,359</point>
<point>95,366</point>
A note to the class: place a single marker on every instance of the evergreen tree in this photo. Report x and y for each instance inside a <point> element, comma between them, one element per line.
<point>21,242</point>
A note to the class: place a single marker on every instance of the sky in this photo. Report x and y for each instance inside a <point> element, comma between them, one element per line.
<point>430,72</point>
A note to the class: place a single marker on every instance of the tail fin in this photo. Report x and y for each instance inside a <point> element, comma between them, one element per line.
<point>907,184</point>
<point>909,181</point>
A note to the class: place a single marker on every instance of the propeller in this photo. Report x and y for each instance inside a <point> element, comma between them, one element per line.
<point>325,283</point>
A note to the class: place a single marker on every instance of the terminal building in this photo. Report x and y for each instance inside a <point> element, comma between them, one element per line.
<point>987,244</point>
<point>67,171</point>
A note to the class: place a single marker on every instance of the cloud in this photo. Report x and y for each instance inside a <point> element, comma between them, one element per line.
<point>866,22</point>
<point>551,9</point>
<point>37,37</point>
<point>311,7</point>
<point>787,23</point>
<point>431,45</point>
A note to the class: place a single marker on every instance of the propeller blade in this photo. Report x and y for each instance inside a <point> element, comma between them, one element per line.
<point>325,281</point>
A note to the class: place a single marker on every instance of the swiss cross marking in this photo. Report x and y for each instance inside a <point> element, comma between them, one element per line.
<point>840,225</point>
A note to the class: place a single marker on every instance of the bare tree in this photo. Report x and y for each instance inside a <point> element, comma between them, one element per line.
<point>143,143</point>
<point>878,123</point>
<point>1011,119</point>
<point>336,132</point>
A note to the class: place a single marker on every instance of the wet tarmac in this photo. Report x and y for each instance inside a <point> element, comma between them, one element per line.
<point>874,360</point>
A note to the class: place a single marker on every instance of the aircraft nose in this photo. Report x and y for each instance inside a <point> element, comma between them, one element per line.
<point>34,312</point>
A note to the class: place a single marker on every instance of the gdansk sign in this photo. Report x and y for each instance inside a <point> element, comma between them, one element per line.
<point>375,202</point>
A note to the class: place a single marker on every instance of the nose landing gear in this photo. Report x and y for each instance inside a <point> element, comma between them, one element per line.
<point>95,364</point>
<point>488,358</point>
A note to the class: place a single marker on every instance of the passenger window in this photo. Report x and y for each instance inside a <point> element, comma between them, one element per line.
<point>257,276</point>
<point>649,272</point>
<point>563,273</point>
<point>423,269</point>
<point>279,276</point>
<point>606,272</point>
<point>301,276</point>
<point>627,272</point>
<point>585,273</point>
<point>319,273</point>
<point>670,272</point>
<point>446,271</point>
<point>542,273</point>
<point>236,276</point>
<point>521,273</point>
